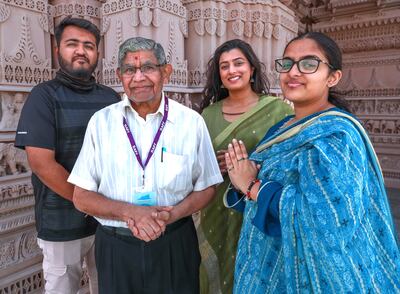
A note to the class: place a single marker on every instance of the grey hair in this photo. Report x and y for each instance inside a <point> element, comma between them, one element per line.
<point>141,44</point>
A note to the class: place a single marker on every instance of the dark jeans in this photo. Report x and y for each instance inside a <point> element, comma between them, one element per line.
<point>167,265</point>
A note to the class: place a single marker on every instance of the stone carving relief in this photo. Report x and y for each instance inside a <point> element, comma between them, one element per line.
<point>7,253</point>
<point>13,161</point>
<point>243,22</point>
<point>381,117</point>
<point>221,28</point>
<point>26,48</point>
<point>134,17</point>
<point>182,98</point>
<point>196,77</point>
<point>192,100</point>
<point>174,7</point>
<point>277,31</point>
<point>157,18</point>
<point>30,284</point>
<point>238,28</point>
<point>11,106</point>
<point>199,27</point>
<point>32,5</point>
<point>258,28</point>
<point>171,42</point>
<point>383,126</point>
<point>367,36</point>
<point>77,9</point>
<point>183,27</point>
<point>268,30</point>
<point>5,12</point>
<point>13,251</point>
<point>105,25</point>
<point>179,75</point>
<point>248,29</point>
<point>24,65</point>
<point>389,162</point>
<point>44,22</point>
<point>12,192</point>
<point>109,66</point>
<point>210,26</point>
<point>145,16</point>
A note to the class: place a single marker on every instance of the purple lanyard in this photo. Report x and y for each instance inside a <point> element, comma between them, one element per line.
<point>155,141</point>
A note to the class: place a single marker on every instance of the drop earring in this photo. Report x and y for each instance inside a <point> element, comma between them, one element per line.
<point>251,80</point>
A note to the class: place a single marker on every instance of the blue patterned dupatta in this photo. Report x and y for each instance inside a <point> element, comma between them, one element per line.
<point>337,232</point>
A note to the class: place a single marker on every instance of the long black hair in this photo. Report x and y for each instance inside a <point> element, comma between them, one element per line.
<point>213,92</point>
<point>332,52</point>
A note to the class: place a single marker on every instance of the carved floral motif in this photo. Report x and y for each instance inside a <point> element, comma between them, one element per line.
<point>199,27</point>
<point>238,28</point>
<point>171,6</point>
<point>78,9</point>
<point>7,253</point>
<point>211,26</point>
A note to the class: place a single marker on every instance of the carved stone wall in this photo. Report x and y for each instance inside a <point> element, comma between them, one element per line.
<point>368,31</point>
<point>161,20</point>
<point>370,41</point>
<point>266,25</point>
<point>25,60</point>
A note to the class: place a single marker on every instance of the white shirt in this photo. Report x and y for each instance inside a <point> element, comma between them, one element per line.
<point>107,164</point>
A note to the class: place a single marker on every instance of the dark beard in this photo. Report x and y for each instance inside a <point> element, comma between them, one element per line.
<point>81,73</point>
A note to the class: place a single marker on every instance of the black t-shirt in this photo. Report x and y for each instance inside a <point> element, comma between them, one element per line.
<point>55,117</point>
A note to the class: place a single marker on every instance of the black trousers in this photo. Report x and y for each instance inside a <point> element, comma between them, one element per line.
<point>167,265</point>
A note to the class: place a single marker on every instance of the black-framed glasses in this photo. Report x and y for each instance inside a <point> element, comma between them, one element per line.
<point>306,65</point>
<point>146,69</point>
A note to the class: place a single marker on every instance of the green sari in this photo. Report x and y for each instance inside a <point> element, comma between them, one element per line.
<point>220,227</point>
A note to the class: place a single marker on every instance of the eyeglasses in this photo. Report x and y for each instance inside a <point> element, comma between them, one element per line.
<point>306,65</point>
<point>146,69</point>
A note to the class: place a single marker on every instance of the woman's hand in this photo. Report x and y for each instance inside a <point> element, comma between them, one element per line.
<point>240,169</point>
<point>221,161</point>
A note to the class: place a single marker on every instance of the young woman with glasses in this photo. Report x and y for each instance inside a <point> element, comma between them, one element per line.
<point>316,214</point>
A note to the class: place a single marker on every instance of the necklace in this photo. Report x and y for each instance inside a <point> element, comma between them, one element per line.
<point>232,113</point>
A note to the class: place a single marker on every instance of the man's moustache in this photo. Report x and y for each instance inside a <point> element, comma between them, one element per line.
<point>81,58</point>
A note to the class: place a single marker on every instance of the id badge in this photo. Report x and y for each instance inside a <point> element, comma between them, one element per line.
<point>145,198</point>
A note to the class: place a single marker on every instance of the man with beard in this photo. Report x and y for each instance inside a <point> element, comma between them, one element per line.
<point>51,130</point>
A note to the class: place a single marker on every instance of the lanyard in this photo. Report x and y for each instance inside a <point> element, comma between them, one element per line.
<point>155,140</point>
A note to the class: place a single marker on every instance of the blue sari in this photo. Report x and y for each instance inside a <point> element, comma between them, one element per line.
<point>322,222</point>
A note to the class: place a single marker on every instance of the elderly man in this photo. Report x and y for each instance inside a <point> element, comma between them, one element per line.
<point>146,165</point>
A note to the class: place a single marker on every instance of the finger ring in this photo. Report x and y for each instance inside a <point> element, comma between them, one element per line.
<point>244,158</point>
<point>156,214</point>
<point>229,169</point>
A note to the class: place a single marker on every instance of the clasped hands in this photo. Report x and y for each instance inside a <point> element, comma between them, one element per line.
<point>149,222</point>
<point>240,169</point>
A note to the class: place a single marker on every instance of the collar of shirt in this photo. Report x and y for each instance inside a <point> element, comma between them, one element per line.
<point>127,104</point>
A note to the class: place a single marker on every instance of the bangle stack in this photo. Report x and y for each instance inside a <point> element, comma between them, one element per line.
<point>252,183</point>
